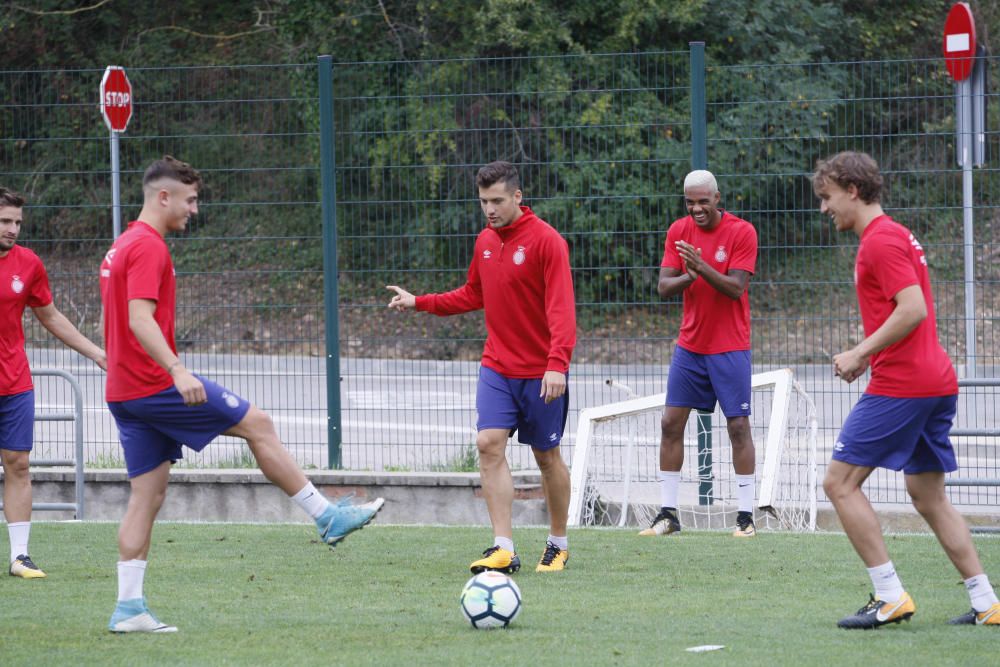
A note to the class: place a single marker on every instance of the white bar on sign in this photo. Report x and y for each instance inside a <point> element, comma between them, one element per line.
<point>957,42</point>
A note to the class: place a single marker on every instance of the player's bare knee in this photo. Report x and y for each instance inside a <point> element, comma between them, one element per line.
<point>15,465</point>
<point>256,426</point>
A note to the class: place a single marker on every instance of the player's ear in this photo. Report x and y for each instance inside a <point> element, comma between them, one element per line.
<point>163,197</point>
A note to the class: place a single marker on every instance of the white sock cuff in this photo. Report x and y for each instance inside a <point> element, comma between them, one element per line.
<point>561,542</point>
<point>504,543</point>
<point>311,501</point>
<point>135,562</point>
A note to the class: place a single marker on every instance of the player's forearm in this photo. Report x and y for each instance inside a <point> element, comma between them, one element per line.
<point>148,333</point>
<point>673,285</point>
<point>898,326</point>
<point>730,286</point>
<point>59,326</point>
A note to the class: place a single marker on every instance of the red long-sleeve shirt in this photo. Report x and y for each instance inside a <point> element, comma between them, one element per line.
<point>520,277</point>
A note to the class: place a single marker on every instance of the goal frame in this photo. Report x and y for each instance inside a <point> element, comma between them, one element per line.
<point>783,382</point>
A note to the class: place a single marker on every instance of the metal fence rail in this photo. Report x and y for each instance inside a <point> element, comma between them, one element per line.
<point>76,457</point>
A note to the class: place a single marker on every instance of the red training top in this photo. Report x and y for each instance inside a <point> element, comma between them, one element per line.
<point>23,282</point>
<point>520,277</point>
<point>712,322</point>
<point>890,259</point>
<point>138,266</point>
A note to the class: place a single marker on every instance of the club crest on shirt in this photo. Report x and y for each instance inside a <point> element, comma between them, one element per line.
<point>720,254</point>
<point>519,255</point>
<point>230,400</point>
<point>17,285</point>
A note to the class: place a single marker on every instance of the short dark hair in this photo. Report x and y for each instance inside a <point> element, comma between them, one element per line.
<point>172,168</point>
<point>496,172</point>
<point>851,168</point>
<point>11,198</point>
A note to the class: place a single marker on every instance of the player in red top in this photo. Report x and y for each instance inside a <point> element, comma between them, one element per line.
<point>903,419</point>
<point>708,256</point>
<point>158,404</point>
<point>520,277</point>
<point>23,283</point>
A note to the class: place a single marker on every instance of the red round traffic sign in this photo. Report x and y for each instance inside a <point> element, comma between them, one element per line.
<point>116,98</point>
<point>959,41</point>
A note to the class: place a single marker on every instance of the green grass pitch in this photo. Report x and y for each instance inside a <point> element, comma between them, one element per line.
<point>272,595</point>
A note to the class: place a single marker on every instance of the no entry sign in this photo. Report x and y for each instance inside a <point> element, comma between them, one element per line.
<point>116,99</point>
<point>959,41</point>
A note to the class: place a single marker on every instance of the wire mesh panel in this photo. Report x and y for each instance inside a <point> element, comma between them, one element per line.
<point>768,126</point>
<point>600,142</point>
<point>249,269</point>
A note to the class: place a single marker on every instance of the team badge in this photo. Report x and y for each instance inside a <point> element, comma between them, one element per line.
<point>230,400</point>
<point>519,255</point>
<point>720,254</point>
<point>17,285</point>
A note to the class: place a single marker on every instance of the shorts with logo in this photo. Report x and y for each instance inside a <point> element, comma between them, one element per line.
<point>17,421</point>
<point>699,380</point>
<point>152,429</point>
<point>513,403</point>
<point>908,434</point>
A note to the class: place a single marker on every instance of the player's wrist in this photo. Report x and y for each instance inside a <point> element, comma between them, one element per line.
<point>174,366</point>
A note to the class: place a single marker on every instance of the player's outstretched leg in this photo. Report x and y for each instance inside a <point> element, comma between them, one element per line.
<point>665,523</point>
<point>135,616</point>
<point>23,567</point>
<point>342,518</point>
<point>878,613</point>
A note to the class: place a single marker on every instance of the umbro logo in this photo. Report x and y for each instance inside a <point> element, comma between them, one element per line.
<point>744,406</point>
<point>487,254</point>
<point>839,447</point>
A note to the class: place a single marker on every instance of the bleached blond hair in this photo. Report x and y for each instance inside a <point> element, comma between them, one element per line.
<point>701,178</point>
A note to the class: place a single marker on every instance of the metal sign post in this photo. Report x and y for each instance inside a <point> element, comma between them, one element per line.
<point>116,108</point>
<point>968,70</point>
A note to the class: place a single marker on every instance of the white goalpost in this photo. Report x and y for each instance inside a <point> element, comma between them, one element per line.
<point>616,461</point>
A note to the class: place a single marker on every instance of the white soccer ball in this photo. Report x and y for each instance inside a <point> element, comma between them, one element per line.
<point>491,600</point>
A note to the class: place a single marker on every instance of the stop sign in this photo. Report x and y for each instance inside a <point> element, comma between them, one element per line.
<point>116,99</point>
<point>959,41</point>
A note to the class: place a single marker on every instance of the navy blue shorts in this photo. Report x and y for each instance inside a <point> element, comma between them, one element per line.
<point>152,429</point>
<point>699,380</point>
<point>514,404</point>
<point>17,421</point>
<point>908,434</point>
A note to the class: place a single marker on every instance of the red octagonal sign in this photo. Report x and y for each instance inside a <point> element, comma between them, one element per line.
<point>959,41</point>
<point>116,99</point>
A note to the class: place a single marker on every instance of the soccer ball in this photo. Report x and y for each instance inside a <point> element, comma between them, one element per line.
<point>491,600</point>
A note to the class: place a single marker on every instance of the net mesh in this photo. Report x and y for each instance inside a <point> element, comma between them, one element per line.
<point>622,461</point>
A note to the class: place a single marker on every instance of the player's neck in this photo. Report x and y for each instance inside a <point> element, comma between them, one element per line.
<point>866,214</point>
<point>153,219</point>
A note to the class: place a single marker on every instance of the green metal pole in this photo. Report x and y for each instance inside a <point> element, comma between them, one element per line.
<point>699,160</point>
<point>699,121</point>
<point>331,298</point>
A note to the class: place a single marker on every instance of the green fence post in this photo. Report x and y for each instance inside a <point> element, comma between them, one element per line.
<point>699,160</point>
<point>328,167</point>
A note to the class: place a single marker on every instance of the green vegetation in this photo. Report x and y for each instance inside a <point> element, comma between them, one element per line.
<point>271,595</point>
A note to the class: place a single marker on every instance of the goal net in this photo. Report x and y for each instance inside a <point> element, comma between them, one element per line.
<point>616,461</point>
